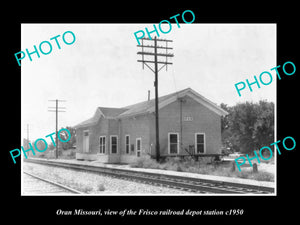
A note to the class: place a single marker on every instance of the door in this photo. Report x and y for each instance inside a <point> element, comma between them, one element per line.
<point>113,144</point>
<point>86,141</point>
<point>138,147</point>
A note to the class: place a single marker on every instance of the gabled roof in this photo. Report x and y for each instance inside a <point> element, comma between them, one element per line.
<point>149,106</point>
<point>101,111</point>
<point>144,107</point>
<point>111,112</point>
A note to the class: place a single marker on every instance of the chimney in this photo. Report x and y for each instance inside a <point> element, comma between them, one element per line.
<point>148,95</point>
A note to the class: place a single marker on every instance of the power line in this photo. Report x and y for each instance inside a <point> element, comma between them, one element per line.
<point>50,109</point>
<point>155,61</point>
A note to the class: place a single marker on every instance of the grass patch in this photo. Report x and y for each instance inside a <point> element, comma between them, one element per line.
<point>202,166</point>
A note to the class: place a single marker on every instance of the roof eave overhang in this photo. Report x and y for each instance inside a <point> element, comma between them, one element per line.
<point>132,115</point>
<point>85,125</point>
<point>216,109</point>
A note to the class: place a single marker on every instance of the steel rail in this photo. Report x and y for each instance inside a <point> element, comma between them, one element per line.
<point>54,183</point>
<point>191,184</point>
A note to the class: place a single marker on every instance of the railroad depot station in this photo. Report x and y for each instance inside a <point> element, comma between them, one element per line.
<point>188,123</point>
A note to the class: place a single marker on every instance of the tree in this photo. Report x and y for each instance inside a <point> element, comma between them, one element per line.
<point>224,119</point>
<point>264,127</point>
<point>242,123</point>
<point>227,143</point>
<point>248,126</point>
<point>51,146</point>
<point>64,136</point>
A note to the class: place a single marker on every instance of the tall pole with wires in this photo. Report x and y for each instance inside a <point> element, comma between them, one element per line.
<point>155,61</point>
<point>26,140</point>
<point>51,109</point>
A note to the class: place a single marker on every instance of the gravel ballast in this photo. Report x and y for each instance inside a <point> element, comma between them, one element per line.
<point>91,183</point>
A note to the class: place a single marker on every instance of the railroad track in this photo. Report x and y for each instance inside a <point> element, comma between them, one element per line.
<point>183,183</point>
<point>34,184</point>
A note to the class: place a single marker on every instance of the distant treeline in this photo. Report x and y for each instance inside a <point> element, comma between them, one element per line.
<point>62,145</point>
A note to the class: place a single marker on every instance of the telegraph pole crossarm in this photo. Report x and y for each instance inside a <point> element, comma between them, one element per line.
<point>158,54</point>
<point>151,46</point>
<point>156,39</point>
<point>155,61</point>
<point>160,62</point>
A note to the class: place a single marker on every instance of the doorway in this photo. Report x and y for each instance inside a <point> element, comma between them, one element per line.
<point>85,141</point>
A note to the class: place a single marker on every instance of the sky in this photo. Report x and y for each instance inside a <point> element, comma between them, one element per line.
<point>100,68</point>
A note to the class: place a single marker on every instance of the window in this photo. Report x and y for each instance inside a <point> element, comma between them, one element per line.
<point>200,143</point>
<point>138,147</point>
<point>127,144</point>
<point>173,143</point>
<point>102,141</point>
<point>113,144</point>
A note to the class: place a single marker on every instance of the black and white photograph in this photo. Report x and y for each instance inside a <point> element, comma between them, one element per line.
<point>120,134</point>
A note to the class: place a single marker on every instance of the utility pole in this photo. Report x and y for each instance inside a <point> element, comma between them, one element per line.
<point>28,132</point>
<point>155,71</point>
<point>26,142</point>
<point>181,100</point>
<point>51,109</point>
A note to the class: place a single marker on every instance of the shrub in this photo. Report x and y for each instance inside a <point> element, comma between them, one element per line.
<point>174,160</point>
<point>145,162</point>
<point>101,187</point>
<point>138,163</point>
<point>205,160</point>
<point>242,174</point>
<point>263,176</point>
<point>86,189</point>
<point>179,169</point>
<point>163,166</point>
<point>42,155</point>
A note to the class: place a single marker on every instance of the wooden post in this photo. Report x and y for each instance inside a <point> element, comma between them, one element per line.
<point>156,101</point>
<point>56,137</point>
<point>56,121</point>
<point>255,169</point>
<point>233,165</point>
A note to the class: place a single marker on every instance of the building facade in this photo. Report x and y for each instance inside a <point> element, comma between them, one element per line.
<point>188,122</point>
